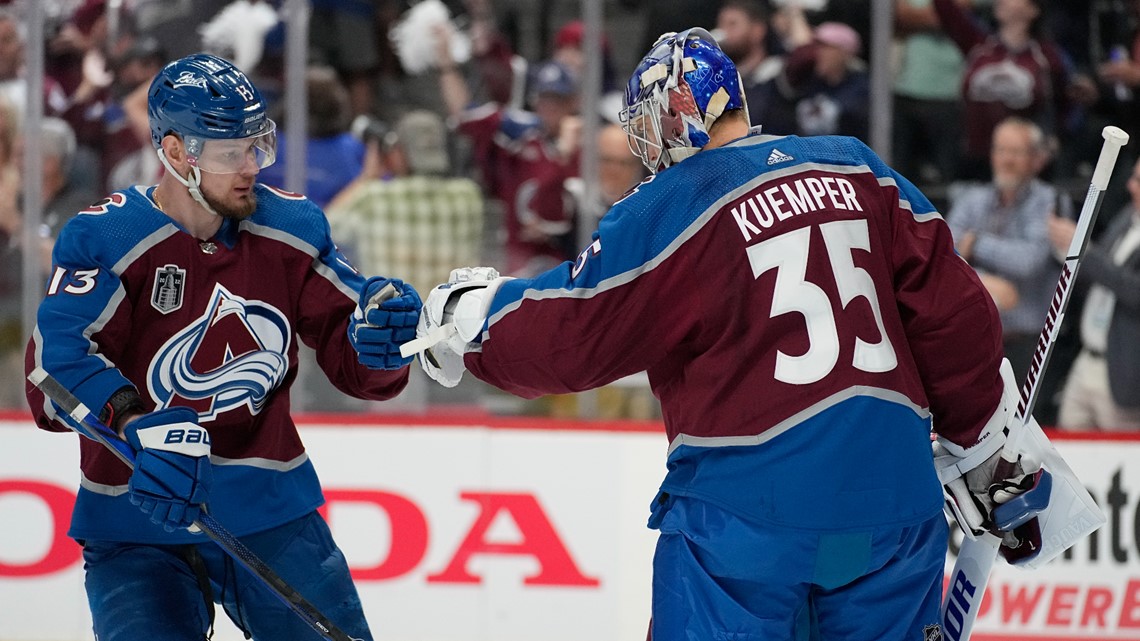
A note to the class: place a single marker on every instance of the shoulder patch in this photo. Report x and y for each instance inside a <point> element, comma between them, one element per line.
<point>169,283</point>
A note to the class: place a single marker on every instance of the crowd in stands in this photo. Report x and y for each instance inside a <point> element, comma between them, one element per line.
<point>449,132</point>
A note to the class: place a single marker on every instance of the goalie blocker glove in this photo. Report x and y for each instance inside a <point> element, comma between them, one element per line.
<point>980,498</point>
<point>385,318</point>
<point>456,311</point>
<point>172,475</point>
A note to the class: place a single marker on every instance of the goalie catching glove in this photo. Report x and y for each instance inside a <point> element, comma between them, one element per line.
<point>983,495</point>
<point>453,317</point>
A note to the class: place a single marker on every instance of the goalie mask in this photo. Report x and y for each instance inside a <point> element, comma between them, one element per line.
<point>675,95</point>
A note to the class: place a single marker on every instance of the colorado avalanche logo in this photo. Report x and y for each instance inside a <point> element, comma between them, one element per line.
<point>234,355</point>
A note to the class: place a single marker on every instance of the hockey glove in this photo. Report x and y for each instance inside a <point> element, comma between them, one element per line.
<point>172,474</point>
<point>981,496</point>
<point>455,313</point>
<point>385,318</point>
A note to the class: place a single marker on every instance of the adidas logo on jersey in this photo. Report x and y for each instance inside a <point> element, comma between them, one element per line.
<point>778,156</point>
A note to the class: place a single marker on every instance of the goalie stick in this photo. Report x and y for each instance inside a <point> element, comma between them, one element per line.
<point>219,534</point>
<point>963,598</point>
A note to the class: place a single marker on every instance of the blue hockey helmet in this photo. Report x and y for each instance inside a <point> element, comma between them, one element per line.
<point>203,98</point>
<point>674,96</point>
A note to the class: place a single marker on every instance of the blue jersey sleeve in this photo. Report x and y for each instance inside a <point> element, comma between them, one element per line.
<point>84,292</point>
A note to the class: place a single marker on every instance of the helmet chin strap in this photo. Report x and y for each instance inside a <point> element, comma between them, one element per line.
<point>193,183</point>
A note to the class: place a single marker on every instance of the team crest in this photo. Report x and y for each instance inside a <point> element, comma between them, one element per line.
<point>169,285</point>
<point>234,355</point>
<point>932,633</point>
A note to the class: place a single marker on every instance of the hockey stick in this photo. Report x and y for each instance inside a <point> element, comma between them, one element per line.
<point>976,558</point>
<point>227,541</point>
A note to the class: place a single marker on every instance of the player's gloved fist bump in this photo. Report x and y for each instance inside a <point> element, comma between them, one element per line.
<point>456,312</point>
<point>385,318</point>
<point>172,475</point>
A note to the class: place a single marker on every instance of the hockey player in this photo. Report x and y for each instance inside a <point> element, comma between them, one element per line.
<point>177,310</point>
<point>803,317</point>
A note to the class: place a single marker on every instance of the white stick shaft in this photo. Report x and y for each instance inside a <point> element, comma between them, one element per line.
<point>1114,139</point>
<point>427,341</point>
<point>967,585</point>
<point>976,558</point>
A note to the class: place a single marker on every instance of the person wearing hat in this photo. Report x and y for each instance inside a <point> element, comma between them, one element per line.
<point>824,88</point>
<point>1012,70</point>
<point>406,211</point>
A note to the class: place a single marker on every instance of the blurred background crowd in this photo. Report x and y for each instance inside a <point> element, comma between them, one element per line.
<point>444,133</point>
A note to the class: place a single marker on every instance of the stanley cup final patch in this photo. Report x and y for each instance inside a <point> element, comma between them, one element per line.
<point>169,283</point>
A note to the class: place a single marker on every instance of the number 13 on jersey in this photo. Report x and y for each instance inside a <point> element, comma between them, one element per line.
<point>788,255</point>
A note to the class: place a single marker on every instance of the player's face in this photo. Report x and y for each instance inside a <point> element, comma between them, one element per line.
<point>231,195</point>
<point>644,140</point>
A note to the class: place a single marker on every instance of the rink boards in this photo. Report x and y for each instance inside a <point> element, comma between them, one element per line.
<point>464,529</point>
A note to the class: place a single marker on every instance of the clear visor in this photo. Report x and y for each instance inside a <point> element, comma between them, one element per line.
<point>234,155</point>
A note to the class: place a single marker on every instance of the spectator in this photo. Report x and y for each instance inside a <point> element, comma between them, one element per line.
<point>927,95</point>
<point>824,88</point>
<point>1102,391</point>
<point>333,156</point>
<point>62,195</point>
<point>239,31</point>
<point>680,15</point>
<point>11,260</point>
<point>568,52</point>
<point>406,213</point>
<point>1001,229</point>
<point>13,85</point>
<point>78,61</point>
<point>1012,71</point>
<point>175,24</point>
<point>61,200</point>
<point>743,29</point>
<point>618,171</point>
<point>342,35</point>
<point>527,157</point>
<point>1116,55</point>
<point>127,156</point>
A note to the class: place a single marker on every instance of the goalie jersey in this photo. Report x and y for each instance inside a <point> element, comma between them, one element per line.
<point>802,316</point>
<point>135,300</point>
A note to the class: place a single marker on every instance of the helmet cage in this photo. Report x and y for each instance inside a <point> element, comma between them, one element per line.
<point>667,117</point>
